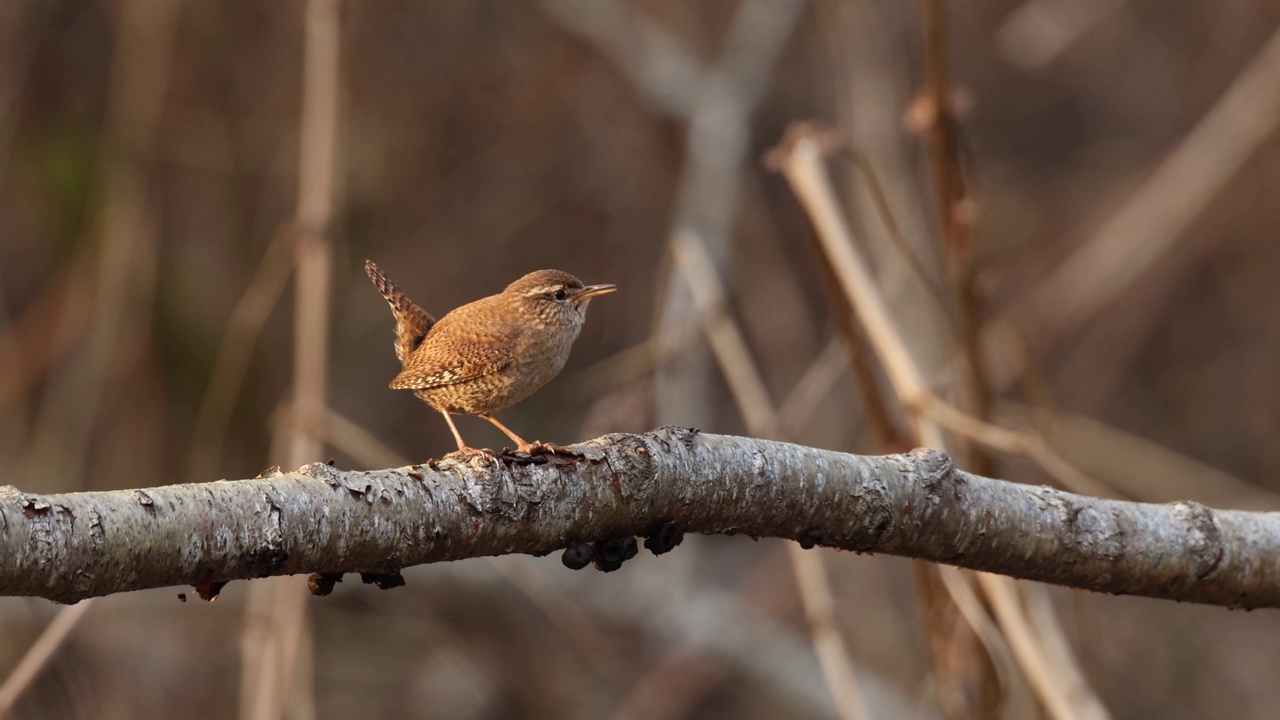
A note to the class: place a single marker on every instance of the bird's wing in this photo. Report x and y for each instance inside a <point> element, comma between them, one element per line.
<point>412,322</point>
<point>454,354</point>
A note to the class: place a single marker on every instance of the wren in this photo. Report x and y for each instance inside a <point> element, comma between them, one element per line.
<point>491,353</point>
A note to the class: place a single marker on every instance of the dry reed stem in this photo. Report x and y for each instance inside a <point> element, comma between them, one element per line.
<point>881,419</point>
<point>1050,667</point>
<point>752,398</point>
<point>814,585</point>
<point>956,205</point>
<point>1019,702</point>
<point>1040,612</point>
<point>800,159</point>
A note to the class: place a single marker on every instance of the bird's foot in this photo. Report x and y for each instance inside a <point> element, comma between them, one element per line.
<point>541,448</point>
<point>466,451</point>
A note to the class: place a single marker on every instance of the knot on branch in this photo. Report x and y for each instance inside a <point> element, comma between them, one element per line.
<point>1204,537</point>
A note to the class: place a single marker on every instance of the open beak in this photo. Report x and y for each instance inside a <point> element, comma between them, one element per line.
<point>591,291</point>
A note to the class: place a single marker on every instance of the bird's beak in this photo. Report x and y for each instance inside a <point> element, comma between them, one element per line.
<point>591,291</point>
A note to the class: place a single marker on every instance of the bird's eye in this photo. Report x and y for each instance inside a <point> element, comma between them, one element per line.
<point>561,294</point>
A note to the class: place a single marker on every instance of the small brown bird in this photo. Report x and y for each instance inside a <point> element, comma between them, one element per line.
<point>492,353</point>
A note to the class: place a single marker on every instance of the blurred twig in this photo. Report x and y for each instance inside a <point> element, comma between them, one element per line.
<point>1050,666</point>
<point>124,278</point>
<point>274,683</point>
<point>881,420</point>
<point>229,367</point>
<point>752,398</point>
<point>660,65</point>
<point>716,102</point>
<point>1014,442</point>
<point>717,635</point>
<point>640,359</point>
<point>1069,678</point>
<point>363,446</point>
<point>880,202</point>
<point>47,328</point>
<point>799,156</point>
<point>40,652</point>
<point>732,354</point>
<point>1018,702</point>
<point>854,279</point>
<point>814,386</point>
<point>596,647</point>
<point>718,133</point>
<point>316,168</point>
<point>1154,218</point>
<point>673,685</point>
<point>21,26</point>
<point>1143,469</point>
<point>875,71</point>
<point>956,205</point>
<point>1037,32</point>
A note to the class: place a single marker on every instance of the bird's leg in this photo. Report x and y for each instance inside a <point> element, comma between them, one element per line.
<point>463,447</point>
<point>524,446</point>
<point>521,445</point>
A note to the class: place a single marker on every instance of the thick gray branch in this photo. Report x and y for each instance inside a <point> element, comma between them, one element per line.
<point>77,545</point>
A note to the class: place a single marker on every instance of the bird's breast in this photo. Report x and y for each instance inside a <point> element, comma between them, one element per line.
<point>545,352</point>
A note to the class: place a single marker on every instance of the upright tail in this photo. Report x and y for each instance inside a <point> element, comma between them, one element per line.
<point>412,322</point>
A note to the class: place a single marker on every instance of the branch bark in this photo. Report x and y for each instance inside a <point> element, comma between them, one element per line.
<point>321,519</point>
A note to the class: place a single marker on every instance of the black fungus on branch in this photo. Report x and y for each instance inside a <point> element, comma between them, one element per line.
<point>321,584</point>
<point>612,552</point>
<point>384,581</point>
<point>665,539</point>
<point>811,537</point>
<point>577,557</point>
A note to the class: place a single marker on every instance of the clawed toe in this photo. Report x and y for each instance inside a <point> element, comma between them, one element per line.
<point>541,448</point>
<point>469,452</point>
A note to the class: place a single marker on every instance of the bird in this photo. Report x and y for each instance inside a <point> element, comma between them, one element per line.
<point>491,353</point>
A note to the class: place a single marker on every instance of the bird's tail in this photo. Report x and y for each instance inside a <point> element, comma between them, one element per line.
<point>412,322</point>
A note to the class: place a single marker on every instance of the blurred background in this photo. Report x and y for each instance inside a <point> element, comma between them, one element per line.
<point>1105,252</point>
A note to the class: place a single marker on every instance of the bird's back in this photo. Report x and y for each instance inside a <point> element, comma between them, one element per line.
<point>482,357</point>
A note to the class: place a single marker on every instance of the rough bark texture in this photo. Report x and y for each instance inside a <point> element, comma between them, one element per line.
<point>321,519</point>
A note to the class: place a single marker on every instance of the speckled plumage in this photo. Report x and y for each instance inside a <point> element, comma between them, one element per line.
<point>492,353</point>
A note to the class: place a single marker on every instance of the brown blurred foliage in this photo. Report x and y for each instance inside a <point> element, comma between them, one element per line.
<point>148,160</point>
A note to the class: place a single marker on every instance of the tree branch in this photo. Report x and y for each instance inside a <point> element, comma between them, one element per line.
<point>77,545</point>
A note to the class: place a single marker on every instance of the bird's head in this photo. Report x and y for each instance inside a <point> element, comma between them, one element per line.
<point>555,297</point>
